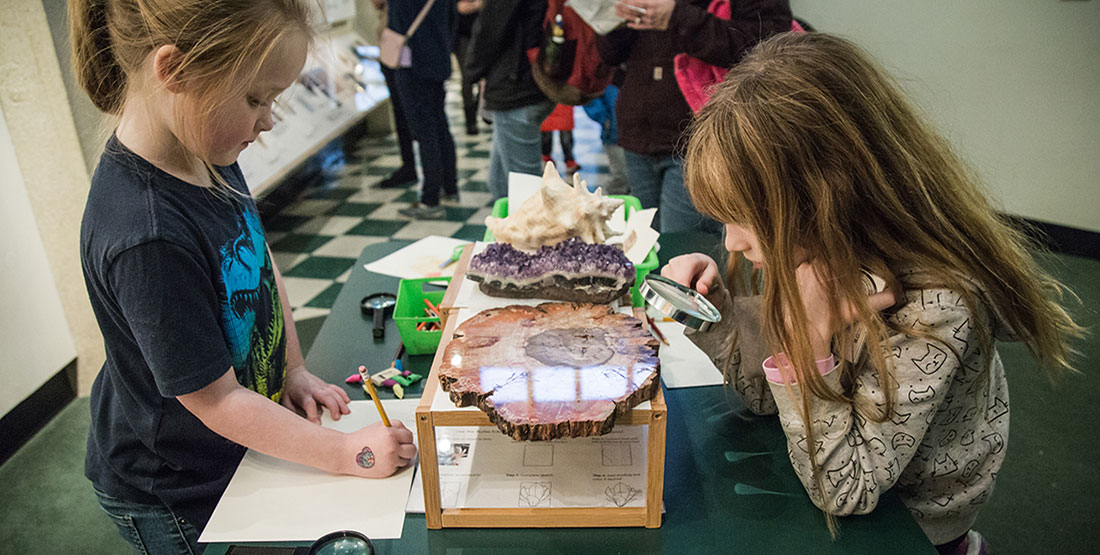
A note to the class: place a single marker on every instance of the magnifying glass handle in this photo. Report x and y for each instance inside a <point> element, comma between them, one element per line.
<point>379,323</point>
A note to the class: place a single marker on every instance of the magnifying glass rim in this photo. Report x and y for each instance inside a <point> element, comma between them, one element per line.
<point>326,539</point>
<point>708,314</point>
<point>390,300</point>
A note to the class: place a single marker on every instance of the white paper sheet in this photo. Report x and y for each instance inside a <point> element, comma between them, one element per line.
<point>480,467</point>
<point>521,186</point>
<point>598,14</point>
<point>269,499</point>
<point>682,363</point>
<point>418,260</point>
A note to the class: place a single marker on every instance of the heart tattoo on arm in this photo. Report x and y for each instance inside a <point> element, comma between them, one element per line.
<point>365,458</point>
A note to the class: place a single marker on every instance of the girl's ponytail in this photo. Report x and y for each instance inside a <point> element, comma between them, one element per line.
<point>94,62</point>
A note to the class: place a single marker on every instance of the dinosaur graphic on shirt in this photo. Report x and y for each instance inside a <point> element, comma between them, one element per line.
<point>252,314</point>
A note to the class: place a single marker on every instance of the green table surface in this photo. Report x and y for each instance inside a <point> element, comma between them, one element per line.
<point>729,486</point>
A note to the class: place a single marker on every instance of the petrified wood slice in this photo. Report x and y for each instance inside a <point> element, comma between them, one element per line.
<point>551,371</point>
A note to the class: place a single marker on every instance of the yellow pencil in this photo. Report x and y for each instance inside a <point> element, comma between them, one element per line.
<point>369,386</point>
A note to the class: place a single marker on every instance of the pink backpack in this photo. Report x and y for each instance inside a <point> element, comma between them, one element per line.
<point>695,76</point>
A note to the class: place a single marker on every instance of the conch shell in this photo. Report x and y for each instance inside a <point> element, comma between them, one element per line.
<point>556,213</point>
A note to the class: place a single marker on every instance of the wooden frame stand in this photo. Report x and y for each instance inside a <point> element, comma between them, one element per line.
<point>429,416</point>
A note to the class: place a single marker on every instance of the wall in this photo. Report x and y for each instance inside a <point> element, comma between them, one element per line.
<point>1014,84</point>
<point>55,179</point>
<point>92,127</point>
<point>34,337</point>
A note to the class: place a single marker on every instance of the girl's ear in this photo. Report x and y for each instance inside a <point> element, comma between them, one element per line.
<point>166,65</point>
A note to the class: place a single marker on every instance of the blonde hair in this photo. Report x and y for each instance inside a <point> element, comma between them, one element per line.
<point>809,144</point>
<point>222,44</point>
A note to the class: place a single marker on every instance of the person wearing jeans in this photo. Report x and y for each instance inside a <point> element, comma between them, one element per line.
<point>425,67</point>
<point>517,144</point>
<point>658,181</point>
<point>504,30</point>
<point>428,123</point>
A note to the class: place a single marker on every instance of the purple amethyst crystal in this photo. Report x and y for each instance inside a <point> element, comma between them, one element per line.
<point>568,271</point>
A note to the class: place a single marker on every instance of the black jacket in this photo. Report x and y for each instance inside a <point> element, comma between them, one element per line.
<point>503,32</point>
<point>651,111</point>
<point>431,44</point>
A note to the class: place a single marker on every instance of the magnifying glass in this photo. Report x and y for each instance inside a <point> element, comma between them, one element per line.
<point>344,542</point>
<point>683,304</point>
<point>378,306</point>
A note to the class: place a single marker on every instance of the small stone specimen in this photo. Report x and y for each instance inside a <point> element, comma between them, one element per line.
<point>572,271</point>
<point>556,213</point>
<point>552,371</point>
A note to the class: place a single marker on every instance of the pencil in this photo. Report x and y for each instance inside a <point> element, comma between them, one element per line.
<point>369,386</point>
<point>657,331</point>
<point>434,309</point>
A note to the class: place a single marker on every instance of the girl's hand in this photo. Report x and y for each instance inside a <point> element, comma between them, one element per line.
<point>815,299</point>
<point>645,15</point>
<point>304,392</point>
<point>376,451</point>
<point>697,271</point>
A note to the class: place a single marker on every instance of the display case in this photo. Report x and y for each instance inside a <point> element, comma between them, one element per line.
<point>476,477</point>
<point>339,87</point>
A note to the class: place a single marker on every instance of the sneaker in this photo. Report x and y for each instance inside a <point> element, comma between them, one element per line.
<point>571,166</point>
<point>399,178</point>
<point>472,130</point>
<point>419,211</point>
<point>451,198</point>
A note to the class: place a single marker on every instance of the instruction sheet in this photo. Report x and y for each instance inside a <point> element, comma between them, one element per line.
<point>481,468</point>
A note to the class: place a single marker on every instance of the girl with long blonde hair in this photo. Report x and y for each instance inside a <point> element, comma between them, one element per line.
<point>884,274</point>
<point>202,357</point>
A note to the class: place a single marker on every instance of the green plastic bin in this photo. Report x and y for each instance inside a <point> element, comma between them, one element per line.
<point>632,204</point>
<point>409,311</point>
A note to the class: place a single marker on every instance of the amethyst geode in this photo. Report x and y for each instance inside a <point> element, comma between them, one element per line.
<point>571,270</point>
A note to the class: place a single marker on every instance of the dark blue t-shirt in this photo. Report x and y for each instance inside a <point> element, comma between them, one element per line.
<point>183,289</point>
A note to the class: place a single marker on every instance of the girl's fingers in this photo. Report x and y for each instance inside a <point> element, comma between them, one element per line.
<point>882,300</point>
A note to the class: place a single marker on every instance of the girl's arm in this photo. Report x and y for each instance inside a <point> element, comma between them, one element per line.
<point>250,419</point>
<point>862,458</point>
<point>735,344</point>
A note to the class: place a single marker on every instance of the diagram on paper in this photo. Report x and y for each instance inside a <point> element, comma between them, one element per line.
<point>616,454</point>
<point>620,494</point>
<point>534,494</point>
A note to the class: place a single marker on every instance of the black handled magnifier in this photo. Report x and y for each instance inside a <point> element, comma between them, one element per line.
<point>344,542</point>
<point>378,306</point>
<point>683,304</point>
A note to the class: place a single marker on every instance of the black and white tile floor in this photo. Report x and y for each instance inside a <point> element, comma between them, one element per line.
<point>317,238</point>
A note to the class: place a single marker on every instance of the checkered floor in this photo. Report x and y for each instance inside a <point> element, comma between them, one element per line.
<point>317,238</point>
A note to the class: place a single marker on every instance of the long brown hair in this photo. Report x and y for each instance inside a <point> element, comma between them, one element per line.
<point>809,144</point>
<point>223,44</point>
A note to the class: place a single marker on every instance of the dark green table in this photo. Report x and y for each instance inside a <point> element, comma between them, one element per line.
<point>729,486</point>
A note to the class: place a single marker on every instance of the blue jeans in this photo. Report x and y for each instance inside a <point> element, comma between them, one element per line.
<point>517,144</point>
<point>423,104</point>
<point>151,529</point>
<point>658,182</point>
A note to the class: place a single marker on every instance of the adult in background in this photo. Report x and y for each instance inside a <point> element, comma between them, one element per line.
<point>504,30</point>
<point>464,28</point>
<point>406,174</point>
<point>652,113</point>
<point>420,86</point>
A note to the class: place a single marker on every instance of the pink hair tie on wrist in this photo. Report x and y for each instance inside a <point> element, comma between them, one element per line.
<point>774,375</point>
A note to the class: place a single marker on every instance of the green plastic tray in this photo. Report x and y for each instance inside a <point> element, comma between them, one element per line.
<point>409,311</point>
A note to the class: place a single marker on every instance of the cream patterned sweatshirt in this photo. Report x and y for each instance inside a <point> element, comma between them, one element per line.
<point>941,448</point>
